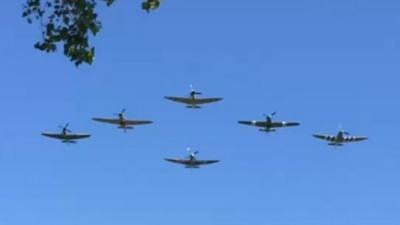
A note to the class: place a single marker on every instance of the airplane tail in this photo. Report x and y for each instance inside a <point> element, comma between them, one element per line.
<point>267,130</point>
<point>335,144</point>
<point>127,128</point>
<point>193,107</point>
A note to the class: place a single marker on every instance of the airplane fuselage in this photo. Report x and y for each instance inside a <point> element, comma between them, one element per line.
<point>267,128</point>
<point>122,123</point>
<point>339,139</point>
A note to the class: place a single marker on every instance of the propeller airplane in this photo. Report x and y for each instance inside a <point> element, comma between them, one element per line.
<point>66,136</point>
<point>192,101</point>
<point>341,138</point>
<point>268,125</point>
<point>122,122</point>
<point>191,161</point>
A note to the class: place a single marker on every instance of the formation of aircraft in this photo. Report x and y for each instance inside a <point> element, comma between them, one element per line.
<point>193,102</point>
<point>268,125</point>
<point>122,122</point>
<point>191,160</point>
<point>341,138</point>
<point>66,136</point>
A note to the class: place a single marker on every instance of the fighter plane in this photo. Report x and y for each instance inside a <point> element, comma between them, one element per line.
<point>192,101</point>
<point>66,136</point>
<point>150,5</point>
<point>268,125</point>
<point>341,138</point>
<point>122,122</point>
<point>191,161</point>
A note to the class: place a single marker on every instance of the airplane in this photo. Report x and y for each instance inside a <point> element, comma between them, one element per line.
<point>66,136</point>
<point>191,101</point>
<point>191,161</point>
<point>268,125</point>
<point>341,138</point>
<point>122,121</point>
<point>150,5</point>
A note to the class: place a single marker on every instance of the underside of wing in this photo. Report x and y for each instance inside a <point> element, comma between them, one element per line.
<point>206,100</point>
<point>53,135</point>
<point>254,123</point>
<point>180,161</point>
<point>284,124</point>
<point>180,99</point>
<point>137,122</point>
<point>322,137</point>
<point>112,121</point>
<point>355,139</point>
<point>206,162</point>
<point>76,136</point>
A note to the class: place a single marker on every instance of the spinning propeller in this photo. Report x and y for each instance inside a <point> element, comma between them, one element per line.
<point>269,117</point>
<point>64,128</point>
<point>192,154</point>
<point>193,92</point>
<point>342,130</point>
<point>121,113</point>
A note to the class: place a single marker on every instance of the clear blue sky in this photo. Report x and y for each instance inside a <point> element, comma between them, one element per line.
<point>318,62</point>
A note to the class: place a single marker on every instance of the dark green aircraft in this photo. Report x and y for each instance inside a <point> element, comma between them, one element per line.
<point>191,161</point>
<point>268,125</point>
<point>341,138</point>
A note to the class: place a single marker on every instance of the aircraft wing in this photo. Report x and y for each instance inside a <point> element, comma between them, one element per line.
<point>112,121</point>
<point>193,101</point>
<point>355,138</point>
<point>137,122</point>
<point>206,162</point>
<point>254,123</point>
<point>180,99</point>
<point>76,136</point>
<point>283,124</point>
<point>180,161</point>
<point>323,137</point>
<point>271,125</point>
<point>65,137</point>
<point>206,100</point>
<point>53,135</point>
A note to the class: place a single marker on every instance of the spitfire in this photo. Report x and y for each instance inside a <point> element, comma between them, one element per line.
<point>268,125</point>
<point>192,101</point>
<point>66,136</point>
<point>122,122</point>
<point>341,138</point>
<point>191,160</point>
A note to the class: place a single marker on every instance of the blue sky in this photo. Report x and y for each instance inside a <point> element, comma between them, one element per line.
<point>322,63</point>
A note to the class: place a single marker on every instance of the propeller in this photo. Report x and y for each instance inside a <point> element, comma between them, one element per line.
<point>192,153</point>
<point>121,113</point>
<point>269,116</point>
<point>65,127</point>
<point>193,92</point>
<point>342,130</point>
